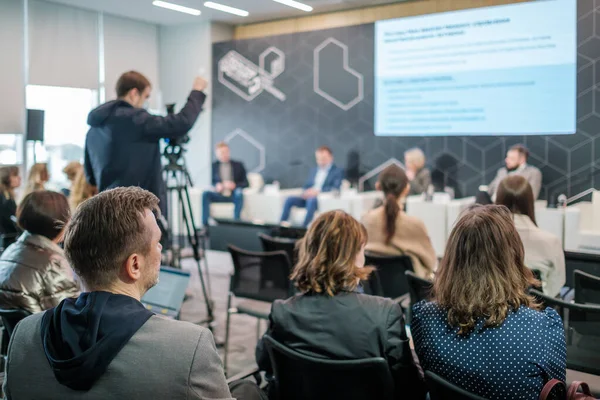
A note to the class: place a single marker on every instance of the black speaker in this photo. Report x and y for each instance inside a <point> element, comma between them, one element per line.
<point>35,125</point>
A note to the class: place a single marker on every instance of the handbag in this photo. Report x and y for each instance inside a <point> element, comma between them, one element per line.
<point>557,390</point>
<point>574,394</point>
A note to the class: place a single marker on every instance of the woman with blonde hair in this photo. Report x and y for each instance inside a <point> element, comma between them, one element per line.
<point>482,331</point>
<point>393,232</point>
<point>418,175</point>
<point>331,317</point>
<point>71,170</point>
<point>81,190</point>
<point>38,177</point>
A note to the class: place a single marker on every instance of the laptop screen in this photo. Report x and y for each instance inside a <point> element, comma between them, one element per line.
<point>170,290</point>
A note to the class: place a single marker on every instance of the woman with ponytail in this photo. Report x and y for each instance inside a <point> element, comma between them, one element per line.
<point>392,232</point>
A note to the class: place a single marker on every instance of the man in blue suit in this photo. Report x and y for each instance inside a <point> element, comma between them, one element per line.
<point>325,178</point>
<point>229,180</point>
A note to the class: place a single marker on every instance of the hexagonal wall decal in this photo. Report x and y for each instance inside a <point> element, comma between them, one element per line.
<point>253,143</point>
<point>344,104</point>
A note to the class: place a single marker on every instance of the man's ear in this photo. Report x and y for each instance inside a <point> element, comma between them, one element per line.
<point>133,268</point>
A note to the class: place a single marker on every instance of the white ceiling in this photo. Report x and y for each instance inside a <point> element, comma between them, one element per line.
<point>260,10</point>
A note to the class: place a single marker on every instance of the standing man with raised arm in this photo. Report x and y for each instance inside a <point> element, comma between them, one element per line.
<point>122,147</point>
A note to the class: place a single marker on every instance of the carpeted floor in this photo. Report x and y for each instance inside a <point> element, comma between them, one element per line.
<point>243,328</point>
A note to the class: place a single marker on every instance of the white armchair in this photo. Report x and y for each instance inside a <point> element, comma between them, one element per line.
<point>225,210</point>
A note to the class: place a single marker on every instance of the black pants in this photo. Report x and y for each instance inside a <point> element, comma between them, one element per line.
<point>244,389</point>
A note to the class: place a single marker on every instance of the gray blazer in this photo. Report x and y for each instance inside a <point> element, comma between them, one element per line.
<point>529,172</point>
<point>421,182</point>
<point>165,359</point>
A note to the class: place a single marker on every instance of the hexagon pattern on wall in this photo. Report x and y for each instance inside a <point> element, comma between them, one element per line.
<point>291,130</point>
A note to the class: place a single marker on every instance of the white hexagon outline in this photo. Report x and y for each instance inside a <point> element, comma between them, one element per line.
<point>261,149</point>
<point>347,68</point>
<point>376,170</point>
<point>264,54</point>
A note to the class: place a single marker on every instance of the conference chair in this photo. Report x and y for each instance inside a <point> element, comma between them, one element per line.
<point>589,263</point>
<point>10,318</point>
<point>582,332</point>
<point>441,389</point>
<point>258,280</point>
<point>300,376</point>
<point>389,279</point>
<point>418,289</point>
<point>587,288</point>
<point>270,243</point>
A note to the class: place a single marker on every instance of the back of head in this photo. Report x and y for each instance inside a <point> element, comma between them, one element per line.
<point>81,190</point>
<point>44,213</point>
<point>72,169</point>
<point>393,182</point>
<point>131,80</point>
<point>516,194</point>
<point>5,174</point>
<point>327,255</point>
<point>482,274</point>
<point>38,174</point>
<point>105,231</point>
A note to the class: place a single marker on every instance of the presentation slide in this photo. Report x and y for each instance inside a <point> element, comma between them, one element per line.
<point>505,70</point>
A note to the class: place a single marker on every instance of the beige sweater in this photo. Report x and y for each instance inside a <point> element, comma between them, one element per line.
<point>411,238</point>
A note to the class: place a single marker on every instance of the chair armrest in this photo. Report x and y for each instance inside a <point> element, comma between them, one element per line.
<point>255,372</point>
<point>291,192</point>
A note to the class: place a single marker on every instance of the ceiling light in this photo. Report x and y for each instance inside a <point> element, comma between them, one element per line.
<point>295,4</point>
<point>176,7</point>
<point>227,9</point>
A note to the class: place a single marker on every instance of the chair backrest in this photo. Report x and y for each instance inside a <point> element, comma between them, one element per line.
<point>260,275</point>
<point>10,319</point>
<point>418,288</point>
<point>299,376</point>
<point>585,262</point>
<point>441,389</point>
<point>582,332</point>
<point>255,180</point>
<point>587,288</point>
<point>390,273</point>
<point>270,243</point>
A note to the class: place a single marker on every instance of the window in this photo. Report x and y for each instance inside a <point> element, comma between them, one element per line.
<point>65,127</point>
<point>11,152</point>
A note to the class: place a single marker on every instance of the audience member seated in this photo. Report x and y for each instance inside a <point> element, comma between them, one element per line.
<point>34,274</point>
<point>10,180</point>
<point>331,317</point>
<point>71,171</point>
<point>418,175</point>
<point>543,250</point>
<point>482,331</point>
<point>229,180</point>
<point>392,232</point>
<point>326,177</point>
<point>81,190</point>
<point>38,177</point>
<point>516,164</point>
<point>105,344</point>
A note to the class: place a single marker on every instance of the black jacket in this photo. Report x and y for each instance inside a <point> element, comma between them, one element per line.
<point>8,208</point>
<point>238,172</point>
<point>122,147</point>
<point>349,325</point>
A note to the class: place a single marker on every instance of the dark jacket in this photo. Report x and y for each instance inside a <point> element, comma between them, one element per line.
<point>35,275</point>
<point>122,146</point>
<point>347,326</point>
<point>421,182</point>
<point>333,181</point>
<point>8,208</point>
<point>238,172</point>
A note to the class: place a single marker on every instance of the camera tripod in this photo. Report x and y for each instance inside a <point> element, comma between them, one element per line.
<point>178,181</point>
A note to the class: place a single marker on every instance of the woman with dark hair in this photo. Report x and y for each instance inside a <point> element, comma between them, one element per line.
<point>392,232</point>
<point>9,181</point>
<point>332,318</point>
<point>543,250</point>
<point>34,273</point>
<point>482,331</point>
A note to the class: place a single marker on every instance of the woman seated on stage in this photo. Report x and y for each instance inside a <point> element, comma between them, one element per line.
<point>418,175</point>
<point>332,318</point>
<point>392,232</point>
<point>482,331</point>
<point>543,250</point>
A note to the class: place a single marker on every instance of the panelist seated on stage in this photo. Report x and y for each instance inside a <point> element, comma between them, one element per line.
<point>516,164</point>
<point>418,175</point>
<point>229,180</point>
<point>543,250</point>
<point>324,178</point>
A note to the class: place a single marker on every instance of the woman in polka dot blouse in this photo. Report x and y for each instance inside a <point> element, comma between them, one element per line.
<point>482,331</point>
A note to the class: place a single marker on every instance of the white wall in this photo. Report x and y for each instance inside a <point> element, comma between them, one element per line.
<point>183,50</point>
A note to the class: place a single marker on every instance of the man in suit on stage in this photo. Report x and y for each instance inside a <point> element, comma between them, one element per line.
<point>324,178</point>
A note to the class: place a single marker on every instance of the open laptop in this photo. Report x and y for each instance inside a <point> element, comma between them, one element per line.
<point>166,298</point>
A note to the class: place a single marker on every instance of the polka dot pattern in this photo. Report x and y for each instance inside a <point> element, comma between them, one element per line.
<point>512,361</point>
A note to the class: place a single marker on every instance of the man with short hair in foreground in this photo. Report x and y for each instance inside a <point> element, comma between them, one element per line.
<point>106,344</point>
